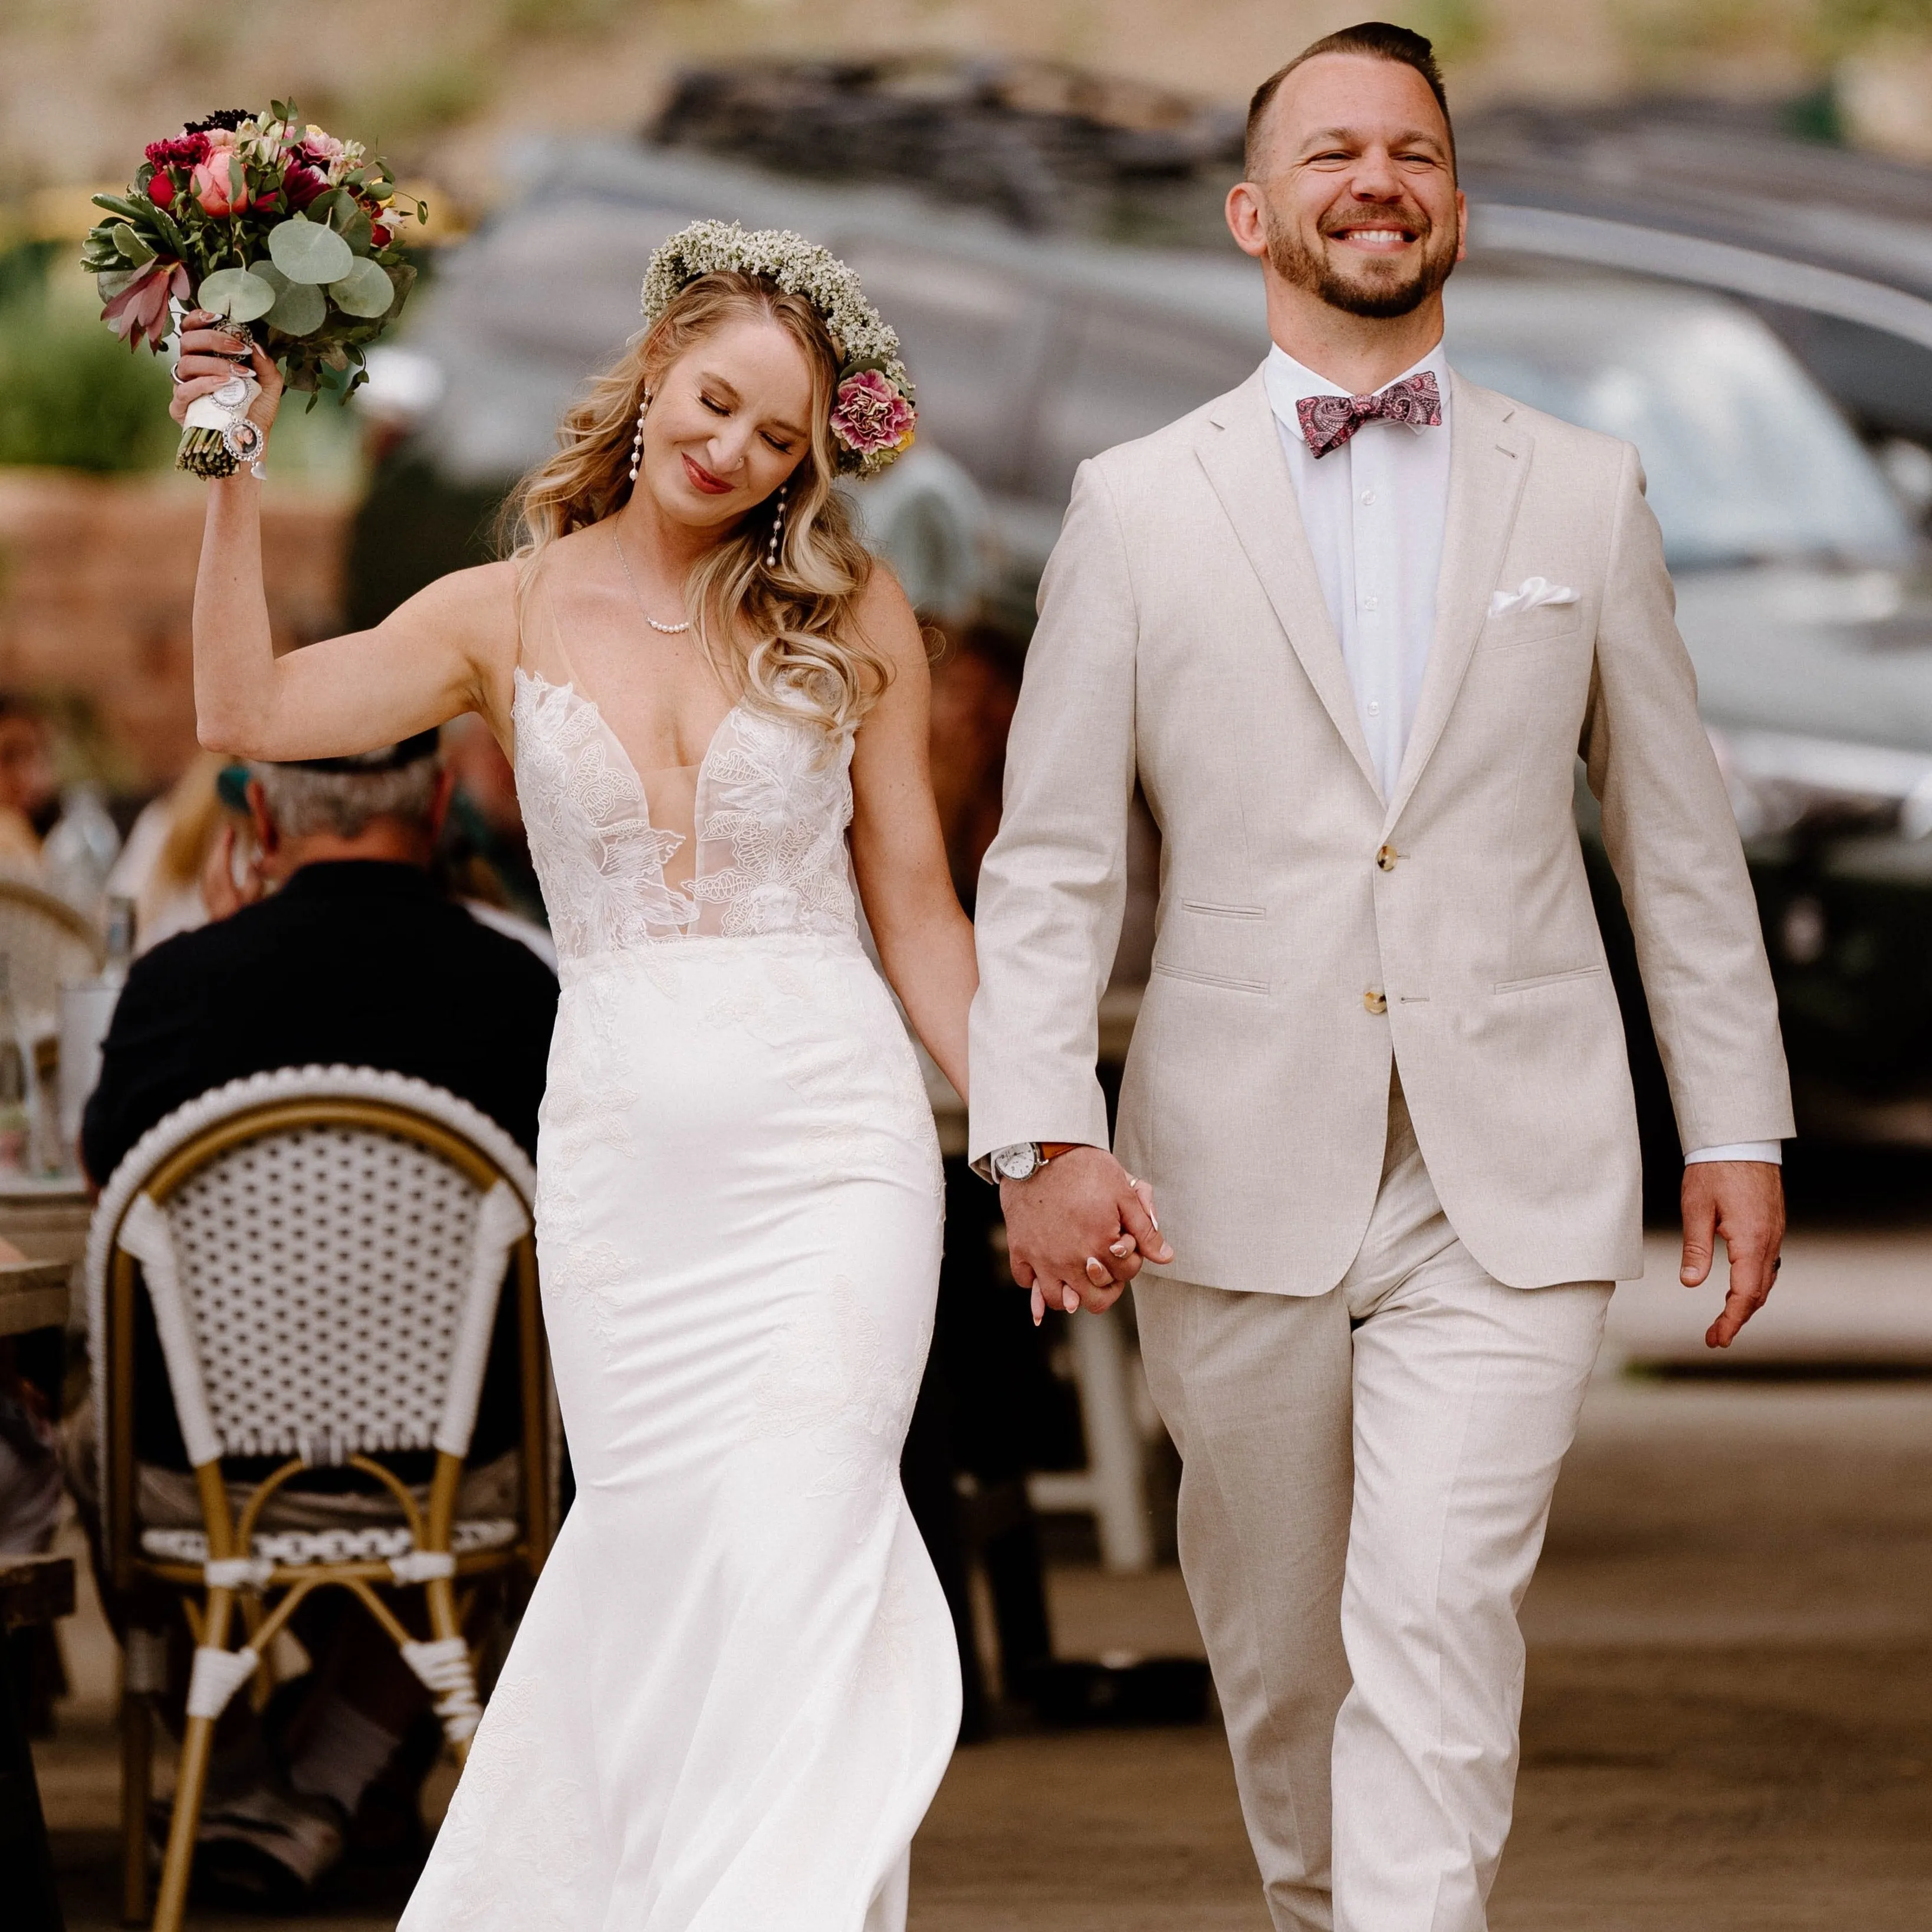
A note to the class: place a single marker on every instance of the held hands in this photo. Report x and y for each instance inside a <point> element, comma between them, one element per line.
<point>1744,1201</point>
<point>1077,1231</point>
<point>211,351</point>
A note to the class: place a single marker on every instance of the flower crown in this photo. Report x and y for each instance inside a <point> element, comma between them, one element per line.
<point>872,412</point>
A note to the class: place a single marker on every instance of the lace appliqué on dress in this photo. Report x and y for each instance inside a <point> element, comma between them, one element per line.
<point>587,1102</point>
<point>780,798</point>
<point>600,859</point>
<point>517,1835</point>
<point>831,1379</point>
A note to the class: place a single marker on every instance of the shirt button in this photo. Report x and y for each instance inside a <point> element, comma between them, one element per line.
<point>1385,858</point>
<point>1371,603</point>
<point>1368,496</point>
<point>1375,1000</point>
<point>1374,707</point>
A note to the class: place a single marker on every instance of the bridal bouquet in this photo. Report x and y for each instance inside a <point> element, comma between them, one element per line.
<point>293,235</point>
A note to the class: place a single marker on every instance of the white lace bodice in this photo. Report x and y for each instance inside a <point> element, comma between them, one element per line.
<point>773,803</point>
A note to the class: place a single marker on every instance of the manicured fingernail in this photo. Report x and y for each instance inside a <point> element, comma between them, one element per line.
<point>1039,1306</point>
<point>1072,1298</point>
<point>1121,1249</point>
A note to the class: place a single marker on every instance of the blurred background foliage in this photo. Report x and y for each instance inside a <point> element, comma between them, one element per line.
<point>71,396</point>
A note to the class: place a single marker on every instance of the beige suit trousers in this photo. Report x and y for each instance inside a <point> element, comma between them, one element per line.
<point>1366,1475</point>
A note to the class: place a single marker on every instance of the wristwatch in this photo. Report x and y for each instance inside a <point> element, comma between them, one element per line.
<point>1024,1159</point>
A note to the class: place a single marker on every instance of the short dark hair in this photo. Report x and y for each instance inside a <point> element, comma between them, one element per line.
<point>1378,41</point>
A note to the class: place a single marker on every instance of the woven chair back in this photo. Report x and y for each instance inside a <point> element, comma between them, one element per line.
<point>325,1270</point>
<point>323,1248</point>
<point>45,942</point>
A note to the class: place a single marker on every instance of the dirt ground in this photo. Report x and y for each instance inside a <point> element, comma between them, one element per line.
<point>1728,1720</point>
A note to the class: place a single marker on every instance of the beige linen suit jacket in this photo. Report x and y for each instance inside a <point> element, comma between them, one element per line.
<point>1184,645</point>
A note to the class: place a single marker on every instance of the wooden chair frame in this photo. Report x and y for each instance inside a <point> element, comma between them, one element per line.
<point>266,1607</point>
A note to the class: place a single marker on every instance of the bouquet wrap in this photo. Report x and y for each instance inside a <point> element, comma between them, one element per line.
<point>296,239</point>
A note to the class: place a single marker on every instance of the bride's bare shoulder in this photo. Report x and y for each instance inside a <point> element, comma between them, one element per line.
<point>884,615</point>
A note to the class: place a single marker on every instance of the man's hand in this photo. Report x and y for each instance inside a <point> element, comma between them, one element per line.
<point>221,892</point>
<point>1744,1201</point>
<point>1077,1231</point>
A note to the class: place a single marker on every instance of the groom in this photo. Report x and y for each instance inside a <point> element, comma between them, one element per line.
<point>1348,627</point>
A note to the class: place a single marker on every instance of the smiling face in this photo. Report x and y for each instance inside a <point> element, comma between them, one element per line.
<point>728,422</point>
<point>1355,178</point>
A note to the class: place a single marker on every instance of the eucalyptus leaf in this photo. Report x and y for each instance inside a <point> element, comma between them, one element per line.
<point>365,291</point>
<point>300,309</point>
<point>236,294</point>
<point>306,251</point>
<point>112,282</point>
<point>131,246</point>
<point>355,231</point>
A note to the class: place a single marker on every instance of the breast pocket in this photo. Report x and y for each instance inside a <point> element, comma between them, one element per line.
<point>1550,625</point>
<point>1215,943</point>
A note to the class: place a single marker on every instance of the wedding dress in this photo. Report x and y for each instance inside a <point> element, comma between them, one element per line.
<point>736,1686</point>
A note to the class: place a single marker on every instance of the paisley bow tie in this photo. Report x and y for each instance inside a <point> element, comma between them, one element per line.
<point>1328,421</point>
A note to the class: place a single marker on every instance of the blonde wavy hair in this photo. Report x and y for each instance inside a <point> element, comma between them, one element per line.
<point>783,636</point>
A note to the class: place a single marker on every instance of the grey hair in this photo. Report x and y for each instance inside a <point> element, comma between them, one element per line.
<point>303,803</point>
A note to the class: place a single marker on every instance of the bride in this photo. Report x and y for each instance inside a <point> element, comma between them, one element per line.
<point>736,1686</point>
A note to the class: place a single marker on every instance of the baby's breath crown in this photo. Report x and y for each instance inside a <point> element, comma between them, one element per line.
<point>872,412</point>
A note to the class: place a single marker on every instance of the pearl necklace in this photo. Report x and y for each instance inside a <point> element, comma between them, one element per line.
<point>666,630</point>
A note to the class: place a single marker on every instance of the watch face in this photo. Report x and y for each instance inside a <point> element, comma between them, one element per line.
<point>1015,1163</point>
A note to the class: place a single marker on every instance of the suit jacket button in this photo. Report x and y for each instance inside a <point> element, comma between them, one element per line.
<point>1375,999</point>
<point>1386,857</point>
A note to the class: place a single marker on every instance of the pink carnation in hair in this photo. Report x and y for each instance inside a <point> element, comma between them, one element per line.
<point>868,413</point>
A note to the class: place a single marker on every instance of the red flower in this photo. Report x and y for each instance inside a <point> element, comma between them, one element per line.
<point>182,151</point>
<point>139,313</point>
<point>379,235</point>
<point>161,189</point>
<point>301,185</point>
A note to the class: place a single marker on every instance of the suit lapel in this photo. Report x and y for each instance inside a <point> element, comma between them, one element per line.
<point>1244,463</point>
<point>1488,458</point>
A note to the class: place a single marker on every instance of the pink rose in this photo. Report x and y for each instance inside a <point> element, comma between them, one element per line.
<point>214,183</point>
<point>868,413</point>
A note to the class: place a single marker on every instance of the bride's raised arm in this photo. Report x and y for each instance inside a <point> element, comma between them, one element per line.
<point>450,649</point>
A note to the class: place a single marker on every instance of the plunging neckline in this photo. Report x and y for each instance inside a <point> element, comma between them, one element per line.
<point>578,695</point>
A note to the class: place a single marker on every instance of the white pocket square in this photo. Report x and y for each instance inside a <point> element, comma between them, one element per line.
<point>1534,592</point>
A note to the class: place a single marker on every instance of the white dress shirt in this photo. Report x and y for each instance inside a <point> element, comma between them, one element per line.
<point>1374,511</point>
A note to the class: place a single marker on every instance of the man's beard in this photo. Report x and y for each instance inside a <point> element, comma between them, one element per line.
<point>1378,300</point>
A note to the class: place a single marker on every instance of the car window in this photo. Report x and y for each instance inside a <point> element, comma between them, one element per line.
<point>1122,373</point>
<point>1747,460</point>
<point>972,338</point>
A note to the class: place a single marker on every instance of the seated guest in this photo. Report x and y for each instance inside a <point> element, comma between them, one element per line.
<point>335,946</point>
<point>355,958</point>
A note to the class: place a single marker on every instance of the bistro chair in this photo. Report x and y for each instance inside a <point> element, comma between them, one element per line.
<point>45,942</point>
<point>324,1249</point>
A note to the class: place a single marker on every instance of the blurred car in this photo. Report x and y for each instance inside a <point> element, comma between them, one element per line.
<point>1801,564</point>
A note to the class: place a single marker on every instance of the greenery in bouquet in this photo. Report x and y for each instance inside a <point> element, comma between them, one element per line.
<point>295,237</point>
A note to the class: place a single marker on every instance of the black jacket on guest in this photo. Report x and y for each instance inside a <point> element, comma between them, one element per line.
<point>355,962</point>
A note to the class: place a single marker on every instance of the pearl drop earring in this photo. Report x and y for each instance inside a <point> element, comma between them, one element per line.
<point>778,527</point>
<point>637,441</point>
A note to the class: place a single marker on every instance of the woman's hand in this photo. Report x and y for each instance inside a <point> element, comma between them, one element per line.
<point>212,351</point>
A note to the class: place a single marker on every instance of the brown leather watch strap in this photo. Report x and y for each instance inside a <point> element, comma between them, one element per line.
<point>1053,1150</point>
